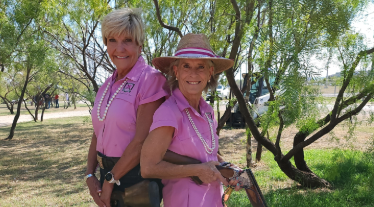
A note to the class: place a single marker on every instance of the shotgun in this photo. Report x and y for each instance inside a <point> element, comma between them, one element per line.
<point>246,178</point>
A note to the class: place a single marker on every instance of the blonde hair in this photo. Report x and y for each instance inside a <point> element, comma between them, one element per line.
<point>173,82</point>
<point>124,21</point>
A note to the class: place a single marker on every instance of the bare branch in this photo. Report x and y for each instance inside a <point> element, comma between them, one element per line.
<point>175,29</point>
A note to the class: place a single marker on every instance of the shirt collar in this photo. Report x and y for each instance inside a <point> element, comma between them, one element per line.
<point>182,103</point>
<point>135,72</point>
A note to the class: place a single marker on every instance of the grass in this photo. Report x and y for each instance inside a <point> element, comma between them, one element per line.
<point>4,111</point>
<point>44,164</point>
<point>351,173</point>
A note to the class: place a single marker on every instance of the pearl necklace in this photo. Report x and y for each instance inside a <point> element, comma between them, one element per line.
<point>108,104</point>
<point>206,146</point>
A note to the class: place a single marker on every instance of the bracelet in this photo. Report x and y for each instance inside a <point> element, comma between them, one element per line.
<point>88,176</point>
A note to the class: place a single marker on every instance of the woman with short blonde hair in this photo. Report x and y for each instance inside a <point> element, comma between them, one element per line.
<point>123,22</point>
<point>123,110</point>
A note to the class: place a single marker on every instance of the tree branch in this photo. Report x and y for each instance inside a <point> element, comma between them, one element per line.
<point>33,117</point>
<point>347,81</point>
<point>175,29</point>
<point>326,129</point>
<point>280,130</point>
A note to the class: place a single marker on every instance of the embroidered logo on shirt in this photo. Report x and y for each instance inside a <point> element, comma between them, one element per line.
<point>128,87</point>
<point>210,119</point>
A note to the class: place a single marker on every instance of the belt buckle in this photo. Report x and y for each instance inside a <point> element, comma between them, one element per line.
<point>100,161</point>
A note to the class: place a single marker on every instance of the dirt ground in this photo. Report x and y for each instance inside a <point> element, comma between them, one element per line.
<point>6,120</point>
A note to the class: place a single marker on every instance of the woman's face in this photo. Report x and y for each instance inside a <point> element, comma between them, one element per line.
<point>124,52</point>
<point>193,76</point>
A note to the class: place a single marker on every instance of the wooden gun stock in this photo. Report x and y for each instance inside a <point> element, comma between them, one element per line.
<point>254,193</point>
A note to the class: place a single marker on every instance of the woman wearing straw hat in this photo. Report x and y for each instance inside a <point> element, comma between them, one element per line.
<point>185,124</point>
<point>123,110</point>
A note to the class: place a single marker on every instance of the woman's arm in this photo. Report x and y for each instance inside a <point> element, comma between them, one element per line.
<point>152,165</point>
<point>92,182</point>
<point>92,160</point>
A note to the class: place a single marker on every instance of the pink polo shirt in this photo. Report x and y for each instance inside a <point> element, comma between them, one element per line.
<point>144,85</point>
<point>184,192</point>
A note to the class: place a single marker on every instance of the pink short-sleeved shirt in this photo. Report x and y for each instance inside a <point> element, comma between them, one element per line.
<point>144,85</point>
<point>184,192</point>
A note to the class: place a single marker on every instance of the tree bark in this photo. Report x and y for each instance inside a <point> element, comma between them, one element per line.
<point>306,179</point>
<point>258,152</point>
<point>43,109</point>
<point>37,105</point>
<point>18,113</point>
<point>249,149</point>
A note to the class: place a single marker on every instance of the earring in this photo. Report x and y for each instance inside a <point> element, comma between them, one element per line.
<point>176,78</point>
<point>208,81</point>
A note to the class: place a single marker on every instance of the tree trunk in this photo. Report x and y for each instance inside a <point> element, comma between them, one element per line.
<point>74,100</point>
<point>41,116</point>
<point>40,97</point>
<point>11,108</point>
<point>19,104</point>
<point>299,156</point>
<point>258,152</point>
<point>249,148</point>
<point>306,179</point>
<point>37,105</point>
<point>259,148</point>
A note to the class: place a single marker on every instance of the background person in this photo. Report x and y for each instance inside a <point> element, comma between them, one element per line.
<point>47,99</point>
<point>56,101</point>
<point>185,124</point>
<point>66,102</point>
<point>123,108</point>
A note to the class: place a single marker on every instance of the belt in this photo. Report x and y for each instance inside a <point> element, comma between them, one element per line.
<point>106,162</point>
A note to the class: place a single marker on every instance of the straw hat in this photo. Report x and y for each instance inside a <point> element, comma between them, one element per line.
<point>193,46</point>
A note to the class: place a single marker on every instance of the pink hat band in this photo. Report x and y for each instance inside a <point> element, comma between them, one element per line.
<point>195,52</point>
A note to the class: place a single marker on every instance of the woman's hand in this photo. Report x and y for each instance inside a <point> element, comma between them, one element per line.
<point>94,186</point>
<point>235,184</point>
<point>106,193</point>
<point>209,173</point>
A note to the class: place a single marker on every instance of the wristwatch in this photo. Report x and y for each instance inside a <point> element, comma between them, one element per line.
<point>110,178</point>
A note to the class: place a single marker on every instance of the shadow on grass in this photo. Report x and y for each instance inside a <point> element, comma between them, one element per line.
<point>45,158</point>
